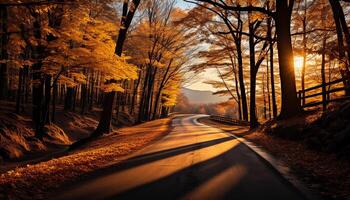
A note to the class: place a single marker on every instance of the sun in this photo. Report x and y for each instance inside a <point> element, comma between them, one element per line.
<point>298,62</point>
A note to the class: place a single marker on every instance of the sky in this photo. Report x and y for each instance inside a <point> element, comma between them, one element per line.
<point>183,4</point>
<point>198,82</point>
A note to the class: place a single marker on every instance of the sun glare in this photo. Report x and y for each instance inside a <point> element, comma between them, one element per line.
<point>298,62</point>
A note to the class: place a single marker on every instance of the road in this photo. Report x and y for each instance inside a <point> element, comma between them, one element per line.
<point>194,161</point>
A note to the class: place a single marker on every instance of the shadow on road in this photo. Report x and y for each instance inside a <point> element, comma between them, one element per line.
<point>220,177</point>
<point>215,166</point>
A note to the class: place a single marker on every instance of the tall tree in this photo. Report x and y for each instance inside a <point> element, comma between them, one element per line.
<point>128,13</point>
<point>290,104</point>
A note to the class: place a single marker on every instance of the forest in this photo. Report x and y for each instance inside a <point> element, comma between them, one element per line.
<point>76,57</point>
<point>73,71</point>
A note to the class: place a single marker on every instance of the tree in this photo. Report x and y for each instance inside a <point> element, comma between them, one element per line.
<point>254,23</point>
<point>3,52</point>
<point>342,31</point>
<point>235,30</point>
<point>290,105</point>
<point>128,13</point>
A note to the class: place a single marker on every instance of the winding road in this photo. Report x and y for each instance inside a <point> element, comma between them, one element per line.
<point>194,161</point>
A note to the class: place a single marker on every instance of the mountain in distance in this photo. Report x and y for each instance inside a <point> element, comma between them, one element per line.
<point>202,97</point>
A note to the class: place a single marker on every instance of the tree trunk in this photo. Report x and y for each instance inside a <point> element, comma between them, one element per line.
<point>156,104</point>
<point>268,87</point>
<point>323,74</point>
<point>253,72</point>
<point>19,91</point>
<point>272,75</point>
<point>160,88</point>
<point>104,125</point>
<point>75,91</point>
<point>144,94</point>
<point>323,64</point>
<point>336,7</point>
<point>3,51</point>
<point>54,96</point>
<point>83,98</point>
<point>46,108</point>
<point>304,53</point>
<point>117,107</point>
<point>290,104</point>
<point>27,85</point>
<point>233,63</point>
<point>135,94</point>
<point>149,97</point>
<point>68,102</point>
<point>241,82</point>
<point>240,72</point>
<point>238,42</point>
<point>344,64</point>
<point>91,92</point>
<point>264,97</point>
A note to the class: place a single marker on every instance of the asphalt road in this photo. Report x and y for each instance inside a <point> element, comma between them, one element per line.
<point>194,161</point>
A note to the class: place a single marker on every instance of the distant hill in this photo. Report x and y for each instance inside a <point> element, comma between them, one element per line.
<point>202,97</point>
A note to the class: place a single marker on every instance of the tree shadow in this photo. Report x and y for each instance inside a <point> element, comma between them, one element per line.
<point>140,160</point>
<point>254,181</point>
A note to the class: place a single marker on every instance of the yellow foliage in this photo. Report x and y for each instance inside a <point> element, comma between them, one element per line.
<point>112,87</point>
<point>171,92</point>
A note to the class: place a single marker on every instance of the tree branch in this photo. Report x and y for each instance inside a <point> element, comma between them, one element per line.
<point>223,5</point>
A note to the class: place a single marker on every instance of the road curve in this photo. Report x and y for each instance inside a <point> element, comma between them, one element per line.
<point>194,161</point>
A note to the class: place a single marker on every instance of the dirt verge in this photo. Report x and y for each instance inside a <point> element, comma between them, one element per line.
<point>38,180</point>
<point>321,171</point>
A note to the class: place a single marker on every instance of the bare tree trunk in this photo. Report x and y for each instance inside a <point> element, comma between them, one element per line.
<point>323,74</point>
<point>304,52</point>
<point>46,107</point>
<point>323,64</point>
<point>344,65</point>
<point>238,42</point>
<point>54,97</point>
<point>336,7</point>
<point>68,102</point>
<point>3,51</point>
<point>253,72</point>
<point>264,97</point>
<point>75,92</point>
<point>27,85</point>
<point>240,71</point>
<point>239,99</point>
<point>290,104</point>
<point>19,90</point>
<point>268,87</point>
<point>38,87</point>
<point>273,94</point>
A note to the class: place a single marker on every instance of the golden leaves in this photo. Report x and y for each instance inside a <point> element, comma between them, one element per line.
<point>112,87</point>
<point>257,16</point>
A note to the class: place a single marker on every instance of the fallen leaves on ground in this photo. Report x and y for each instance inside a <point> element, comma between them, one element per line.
<point>36,181</point>
<point>321,171</point>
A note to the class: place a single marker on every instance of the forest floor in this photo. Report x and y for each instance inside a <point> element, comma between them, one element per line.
<point>37,180</point>
<point>17,136</point>
<point>321,172</point>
